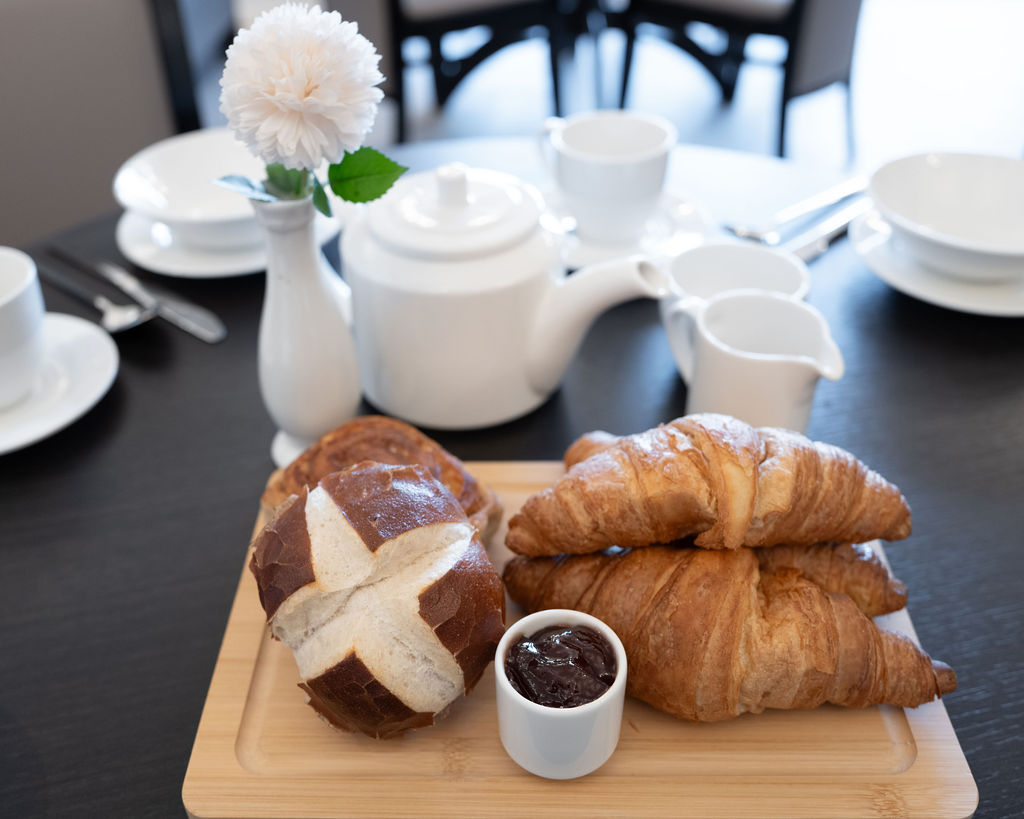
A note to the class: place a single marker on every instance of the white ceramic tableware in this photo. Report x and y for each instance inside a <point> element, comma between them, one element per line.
<point>21,325</point>
<point>464,316</point>
<point>752,354</point>
<point>308,372</point>
<point>172,182</point>
<point>609,167</point>
<point>79,365</point>
<point>559,743</point>
<point>871,238</point>
<point>961,214</point>
<point>676,225</point>
<point>715,267</point>
<point>153,246</point>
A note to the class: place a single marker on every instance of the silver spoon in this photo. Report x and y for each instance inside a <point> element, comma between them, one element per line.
<point>769,233</point>
<point>114,318</point>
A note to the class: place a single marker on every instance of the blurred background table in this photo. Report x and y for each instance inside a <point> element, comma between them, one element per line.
<point>123,535</point>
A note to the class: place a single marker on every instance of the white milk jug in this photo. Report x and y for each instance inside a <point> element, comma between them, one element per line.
<point>753,354</point>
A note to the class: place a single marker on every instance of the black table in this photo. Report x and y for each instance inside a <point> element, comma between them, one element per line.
<point>123,535</point>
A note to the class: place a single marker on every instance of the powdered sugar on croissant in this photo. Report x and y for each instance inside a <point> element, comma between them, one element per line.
<point>714,477</point>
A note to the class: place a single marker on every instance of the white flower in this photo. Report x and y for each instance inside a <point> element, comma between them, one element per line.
<point>299,86</point>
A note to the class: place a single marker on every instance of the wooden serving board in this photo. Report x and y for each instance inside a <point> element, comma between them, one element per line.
<point>260,751</point>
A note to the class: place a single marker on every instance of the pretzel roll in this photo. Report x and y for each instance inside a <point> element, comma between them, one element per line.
<point>377,581</point>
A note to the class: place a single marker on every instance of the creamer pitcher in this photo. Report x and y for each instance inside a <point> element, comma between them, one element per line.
<point>753,354</point>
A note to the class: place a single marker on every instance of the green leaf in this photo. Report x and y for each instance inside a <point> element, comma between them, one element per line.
<point>246,187</point>
<point>289,183</point>
<point>320,201</point>
<point>363,175</point>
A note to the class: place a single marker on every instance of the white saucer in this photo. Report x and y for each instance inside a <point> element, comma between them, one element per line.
<point>80,364</point>
<point>873,241</point>
<point>151,245</point>
<point>676,226</point>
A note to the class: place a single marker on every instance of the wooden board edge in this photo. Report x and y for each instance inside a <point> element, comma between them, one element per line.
<point>213,765</point>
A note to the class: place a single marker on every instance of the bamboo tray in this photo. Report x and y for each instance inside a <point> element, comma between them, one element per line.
<point>260,751</point>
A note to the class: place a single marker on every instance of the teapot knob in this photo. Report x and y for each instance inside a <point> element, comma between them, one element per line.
<point>452,186</point>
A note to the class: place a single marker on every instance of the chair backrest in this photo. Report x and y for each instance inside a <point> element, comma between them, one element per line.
<point>83,87</point>
<point>822,52</point>
<point>374,20</point>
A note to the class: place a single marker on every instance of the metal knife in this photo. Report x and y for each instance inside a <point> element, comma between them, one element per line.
<point>190,317</point>
<point>771,233</point>
<point>816,240</point>
<point>193,319</point>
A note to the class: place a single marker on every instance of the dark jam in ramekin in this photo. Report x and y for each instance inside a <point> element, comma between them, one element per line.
<point>561,666</point>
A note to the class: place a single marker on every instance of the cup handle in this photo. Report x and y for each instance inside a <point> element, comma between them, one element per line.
<point>681,327</point>
<point>547,151</point>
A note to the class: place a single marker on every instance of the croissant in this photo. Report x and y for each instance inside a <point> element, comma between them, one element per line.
<point>852,569</point>
<point>709,636</point>
<point>714,477</point>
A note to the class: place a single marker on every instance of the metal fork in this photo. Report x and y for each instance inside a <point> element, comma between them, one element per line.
<point>114,318</point>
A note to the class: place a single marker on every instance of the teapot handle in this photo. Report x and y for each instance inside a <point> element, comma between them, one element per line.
<point>680,320</point>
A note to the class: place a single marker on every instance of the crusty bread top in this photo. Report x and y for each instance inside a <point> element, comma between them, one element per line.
<point>713,477</point>
<point>378,583</point>
<point>378,504</point>
<point>388,441</point>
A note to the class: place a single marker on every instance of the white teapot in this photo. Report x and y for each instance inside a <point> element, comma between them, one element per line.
<point>463,315</point>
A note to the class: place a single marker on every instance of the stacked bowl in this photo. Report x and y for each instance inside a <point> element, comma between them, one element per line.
<point>957,214</point>
<point>178,221</point>
<point>171,183</point>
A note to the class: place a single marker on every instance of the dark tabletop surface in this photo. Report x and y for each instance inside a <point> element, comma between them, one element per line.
<point>124,534</point>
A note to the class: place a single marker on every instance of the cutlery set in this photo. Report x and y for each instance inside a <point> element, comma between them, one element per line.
<point>840,204</point>
<point>147,301</point>
<point>770,233</point>
<point>114,318</point>
<point>810,244</point>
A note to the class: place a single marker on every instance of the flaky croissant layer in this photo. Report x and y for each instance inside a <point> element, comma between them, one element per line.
<point>709,636</point>
<point>711,476</point>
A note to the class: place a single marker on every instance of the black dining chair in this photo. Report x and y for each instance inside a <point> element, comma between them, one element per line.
<point>819,37</point>
<point>508,22</point>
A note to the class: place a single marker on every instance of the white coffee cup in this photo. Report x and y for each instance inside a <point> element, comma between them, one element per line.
<point>609,167</point>
<point>559,743</point>
<point>754,354</point>
<point>21,325</point>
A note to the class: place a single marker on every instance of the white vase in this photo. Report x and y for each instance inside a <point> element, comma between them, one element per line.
<point>308,374</point>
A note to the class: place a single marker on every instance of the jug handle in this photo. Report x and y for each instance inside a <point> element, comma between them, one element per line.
<point>547,151</point>
<point>681,328</point>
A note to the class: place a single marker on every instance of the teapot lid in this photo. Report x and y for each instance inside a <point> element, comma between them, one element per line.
<point>455,212</point>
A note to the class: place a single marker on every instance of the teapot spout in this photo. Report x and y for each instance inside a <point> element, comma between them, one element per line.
<point>572,304</point>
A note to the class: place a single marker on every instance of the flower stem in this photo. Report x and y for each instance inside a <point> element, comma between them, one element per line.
<point>288,183</point>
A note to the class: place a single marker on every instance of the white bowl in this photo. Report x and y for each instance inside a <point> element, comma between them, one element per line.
<point>559,743</point>
<point>959,213</point>
<point>172,182</point>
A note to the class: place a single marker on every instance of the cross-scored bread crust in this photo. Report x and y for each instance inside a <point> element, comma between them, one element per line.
<point>407,521</point>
